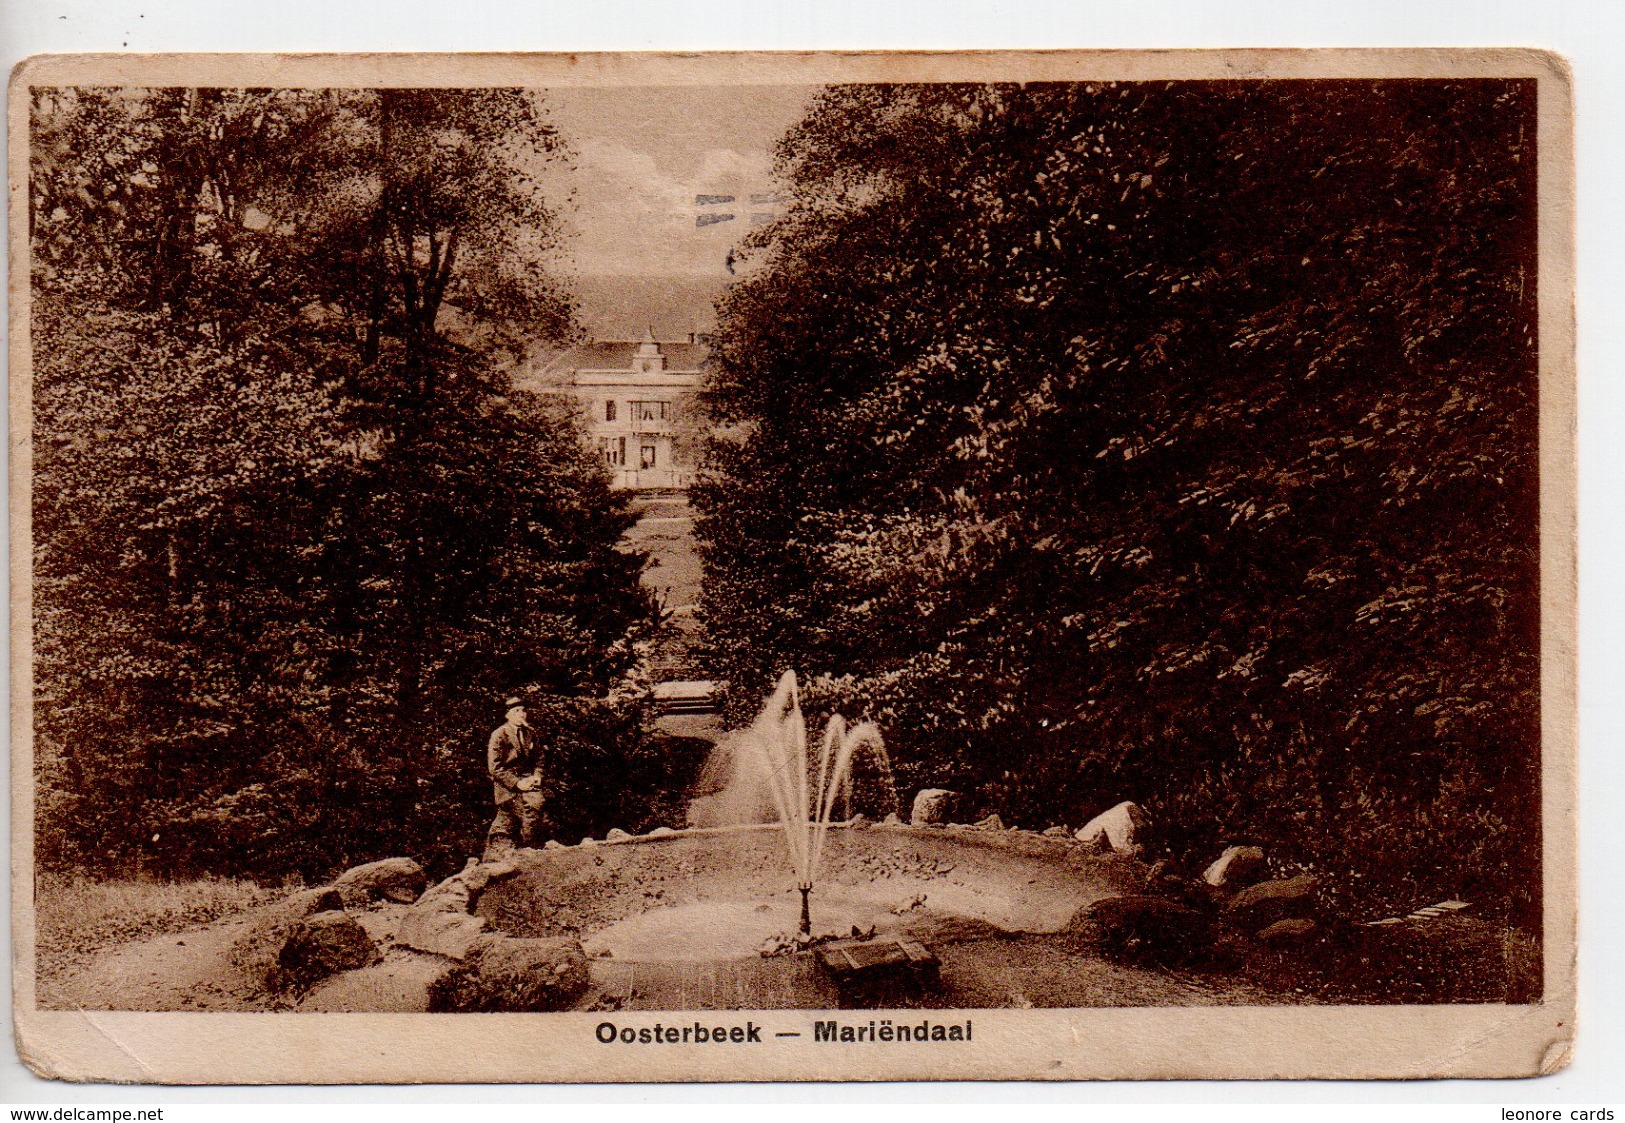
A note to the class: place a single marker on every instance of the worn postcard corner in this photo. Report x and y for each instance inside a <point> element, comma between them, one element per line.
<point>918,566</point>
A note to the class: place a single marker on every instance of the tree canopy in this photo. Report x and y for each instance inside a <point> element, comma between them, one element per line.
<point>1166,441</point>
<point>295,531</point>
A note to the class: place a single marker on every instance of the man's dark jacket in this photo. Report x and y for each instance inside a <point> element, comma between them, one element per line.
<point>510,755</point>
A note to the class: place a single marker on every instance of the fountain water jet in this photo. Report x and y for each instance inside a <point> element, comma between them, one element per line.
<point>774,748</point>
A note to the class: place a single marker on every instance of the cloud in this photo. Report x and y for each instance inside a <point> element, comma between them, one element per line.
<point>632,217</point>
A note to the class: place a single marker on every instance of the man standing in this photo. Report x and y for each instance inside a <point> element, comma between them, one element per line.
<point>512,760</point>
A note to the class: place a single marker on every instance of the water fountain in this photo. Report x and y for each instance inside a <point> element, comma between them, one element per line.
<point>774,751</point>
<point>696,918</point>
<point>702,917</point>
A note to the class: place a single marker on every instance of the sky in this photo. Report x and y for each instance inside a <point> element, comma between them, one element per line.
<point>640,158</point>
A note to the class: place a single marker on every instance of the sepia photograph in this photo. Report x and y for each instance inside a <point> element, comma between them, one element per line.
<point>851,558</point>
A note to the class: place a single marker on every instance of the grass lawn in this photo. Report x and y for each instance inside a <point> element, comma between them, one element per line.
<point>76,915</point>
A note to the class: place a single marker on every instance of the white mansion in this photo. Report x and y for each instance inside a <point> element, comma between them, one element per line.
<point>636,395</point>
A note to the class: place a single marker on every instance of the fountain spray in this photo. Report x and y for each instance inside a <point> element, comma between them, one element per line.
<point>776,745</point>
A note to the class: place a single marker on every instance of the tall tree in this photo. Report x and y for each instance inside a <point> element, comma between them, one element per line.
<point>1172,441</point>
<point>294,529</point>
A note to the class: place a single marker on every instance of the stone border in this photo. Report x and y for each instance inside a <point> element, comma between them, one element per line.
<point>442,921</point>
<point>1148,908</point>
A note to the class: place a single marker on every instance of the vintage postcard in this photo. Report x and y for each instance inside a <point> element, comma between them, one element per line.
<point>911,566</point>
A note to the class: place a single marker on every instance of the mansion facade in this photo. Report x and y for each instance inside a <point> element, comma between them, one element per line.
<point>637,398</point>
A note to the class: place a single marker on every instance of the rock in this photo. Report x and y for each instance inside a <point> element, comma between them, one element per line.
<point>1258,906</point>
<point>616,834</point>
<point>496,871</point>
<point>440,922</point>
<point>1293,930</point>
<point>589,842</point>
<point>1121,829</point>
<point>476,878</point>
<point>449,934</point>
<point>513,975</point>
<point>257,950</point>
<point>891,820</point>
<point>858,822</point>
<point>991,823</point>
<point>393,879</point>
<point>321,945</point>
<point>1057,832</point>
<point>553,844</point>
<point>294,944</point>
<point>934,806</point>
<point>661,832</point>
<point>455,894</point>
<point>1237,868</point>
<point>1145,929</point>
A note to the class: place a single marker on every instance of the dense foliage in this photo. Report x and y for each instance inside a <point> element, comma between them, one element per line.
<point>1164,441</point>
<point>294,531</point>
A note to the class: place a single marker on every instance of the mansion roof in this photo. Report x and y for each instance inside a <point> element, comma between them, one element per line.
<point>617,355</point>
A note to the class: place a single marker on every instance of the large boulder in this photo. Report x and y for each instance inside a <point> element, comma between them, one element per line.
<point>513,975</point>
<point>439,922</point>
<point>1121,829</point>
<point>319,946</point>
<point>300,941</point>
<point>258,947</point>
<point>1258,906</point>
<point>1237,868</point>
<point>393,879</point>
<point>1139,929</point>
<point>934,806</point>
<point>451,934</point>
<point>455,894</point>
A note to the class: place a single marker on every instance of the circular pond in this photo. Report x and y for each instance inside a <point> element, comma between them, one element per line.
<point>708,895</point>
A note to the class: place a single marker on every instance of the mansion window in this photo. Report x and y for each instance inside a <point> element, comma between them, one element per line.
<point>648,460</point>
<point>614,450</point>
<point>609,410</point>
<point>648,411</point>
